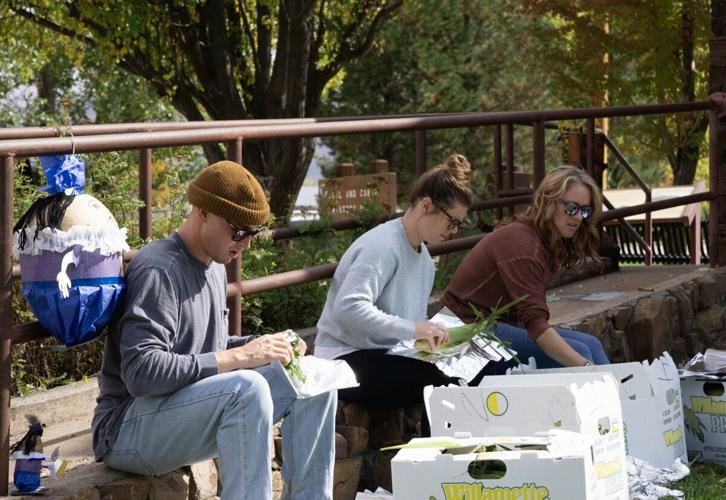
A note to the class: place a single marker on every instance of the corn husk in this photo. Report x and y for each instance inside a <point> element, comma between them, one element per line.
<point>480,329</point>
<point>293,367</point>
<point>469,348</point>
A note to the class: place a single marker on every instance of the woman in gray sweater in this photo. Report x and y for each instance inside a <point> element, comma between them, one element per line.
<point>380,290</point>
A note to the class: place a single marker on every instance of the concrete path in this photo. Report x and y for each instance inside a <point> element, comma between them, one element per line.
<point>583,298</point>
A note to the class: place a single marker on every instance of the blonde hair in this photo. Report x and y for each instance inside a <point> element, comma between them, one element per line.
<point>565,252</point>
<point>446,183</point>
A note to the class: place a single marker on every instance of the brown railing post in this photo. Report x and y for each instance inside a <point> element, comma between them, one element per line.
<point>6,320</point>
<point>497,172</point>
<point>590,146</point>
<point>694,245</point>
<point>509,149</point>
<point>145,221</point>
<point>510,162</point>
<point>420,152</point>
<point>538,166</point>
<point>648,231</point>
<point>234,268</point>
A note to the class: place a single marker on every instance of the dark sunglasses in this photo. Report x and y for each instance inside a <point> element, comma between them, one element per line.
<point>572,208</point>
<point>454,223</point>
<point>240,234</point>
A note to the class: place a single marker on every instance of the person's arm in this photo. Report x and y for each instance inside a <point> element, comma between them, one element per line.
<point>433,334</point>
<point>147,328</point>
<point>354,309</point>
<point>556,348</point>
<point>524,274</point>
<point>236,341</point>
<point>257,352</point>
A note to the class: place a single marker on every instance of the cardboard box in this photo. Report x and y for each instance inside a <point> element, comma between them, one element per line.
<point>586,403</point>
<point>650,397</point>
<point>704,406</point>
<point>557,465</point>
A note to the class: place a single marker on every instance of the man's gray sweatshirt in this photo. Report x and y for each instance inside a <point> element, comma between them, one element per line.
<point>172,320</point>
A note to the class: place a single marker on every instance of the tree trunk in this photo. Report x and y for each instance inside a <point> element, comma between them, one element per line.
<point>283,164</point>
<point>717,79</point>
<point>688,149</point>
<point>46,86</point>
<point>691,127</point>
<point>717,83</point>
<point>186,106</point>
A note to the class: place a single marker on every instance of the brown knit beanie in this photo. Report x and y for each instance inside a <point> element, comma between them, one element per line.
<point>229,190</point>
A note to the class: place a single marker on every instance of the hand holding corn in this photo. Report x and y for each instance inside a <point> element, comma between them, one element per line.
<point>298,350</point>
<point>462,334</point>
<point>430,334</point>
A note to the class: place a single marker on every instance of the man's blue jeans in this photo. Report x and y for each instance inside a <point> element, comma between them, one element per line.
<point>587,345</point>
<point>231,416</point>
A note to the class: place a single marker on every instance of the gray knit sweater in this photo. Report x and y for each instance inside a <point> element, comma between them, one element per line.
<point>379,290</point>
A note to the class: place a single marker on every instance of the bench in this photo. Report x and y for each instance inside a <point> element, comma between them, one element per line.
<point>672,243</point>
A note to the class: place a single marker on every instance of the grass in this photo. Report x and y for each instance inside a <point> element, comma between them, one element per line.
<point>705,482</point>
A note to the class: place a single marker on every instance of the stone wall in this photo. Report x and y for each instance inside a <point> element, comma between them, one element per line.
<point>366,432</point>
<point>683,320</point>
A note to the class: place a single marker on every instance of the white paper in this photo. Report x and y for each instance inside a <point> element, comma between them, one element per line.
<point>321,375</point>
<point>714,360</point>
<point>646,482</point>
<point>446,318</point>
<point>379,494</point>
<point>696,366</point>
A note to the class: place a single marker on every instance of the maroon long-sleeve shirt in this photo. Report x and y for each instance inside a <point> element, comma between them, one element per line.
<point>507,264</point>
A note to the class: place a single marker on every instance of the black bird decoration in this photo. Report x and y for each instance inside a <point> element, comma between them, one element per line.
<point>31,441</point>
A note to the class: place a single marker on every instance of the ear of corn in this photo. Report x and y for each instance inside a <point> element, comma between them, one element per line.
<point>293,367</point>
<point>465,333</point>
<point>432,442</point>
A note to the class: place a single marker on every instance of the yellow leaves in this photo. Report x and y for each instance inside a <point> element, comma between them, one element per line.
<point>162,192</point>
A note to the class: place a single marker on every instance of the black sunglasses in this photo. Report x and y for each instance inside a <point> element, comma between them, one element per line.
<point>240,234</point>
<point>572,208</point>
<point>454,223</point>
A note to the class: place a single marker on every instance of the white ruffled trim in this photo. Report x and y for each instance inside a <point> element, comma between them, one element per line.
<point>18,455</point>
<point>108,241</point>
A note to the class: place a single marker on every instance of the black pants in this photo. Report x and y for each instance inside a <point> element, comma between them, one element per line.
<point>389,381</point>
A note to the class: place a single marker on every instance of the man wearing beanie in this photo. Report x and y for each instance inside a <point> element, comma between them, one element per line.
<point>176,389</point>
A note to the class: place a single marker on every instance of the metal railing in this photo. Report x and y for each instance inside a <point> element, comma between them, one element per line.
<point>145,137</point>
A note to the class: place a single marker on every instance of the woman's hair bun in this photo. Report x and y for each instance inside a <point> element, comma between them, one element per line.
<point>459,168</point>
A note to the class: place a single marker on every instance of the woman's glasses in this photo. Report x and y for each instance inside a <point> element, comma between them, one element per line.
<point>240,234</point>
<point>454,223</point>
<point>572,208</point>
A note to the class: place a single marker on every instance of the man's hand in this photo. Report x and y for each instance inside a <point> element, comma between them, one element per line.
<point>258,352</point>
<point>302,347</point>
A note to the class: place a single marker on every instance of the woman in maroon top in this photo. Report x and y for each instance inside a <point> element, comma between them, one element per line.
<point>558,230</point>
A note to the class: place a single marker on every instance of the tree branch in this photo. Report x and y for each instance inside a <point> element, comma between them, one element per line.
<point>276,88</point>
<point>347,54</point>
<point>216,52</point>
<point>41,21</point>
<point>263,74</point>
<point>241,18</point>
<point>317,40</point>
